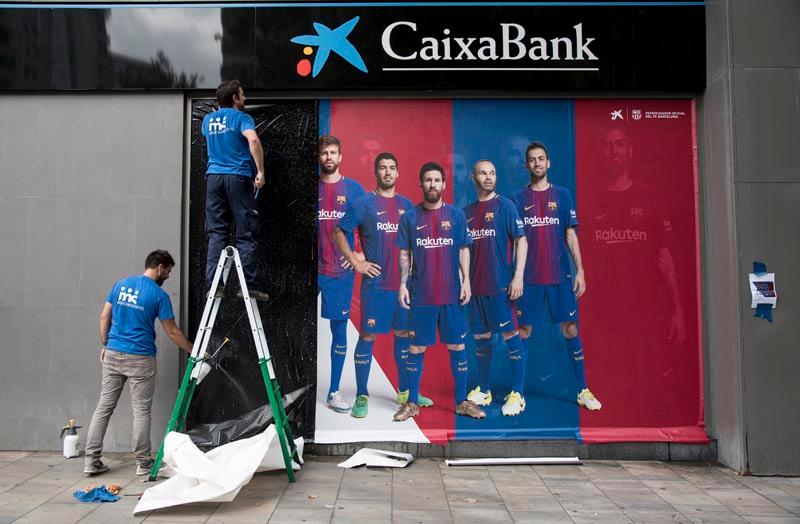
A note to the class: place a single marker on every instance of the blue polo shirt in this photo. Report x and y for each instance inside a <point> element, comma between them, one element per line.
<point>228,150</point>
<point>136,303</point>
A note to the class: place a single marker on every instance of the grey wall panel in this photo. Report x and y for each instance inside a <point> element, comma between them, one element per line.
<point>769,214</point>
<point>767,115</point>
<point>89,184</point>
<point>720,277</point>
<point>765,33</point>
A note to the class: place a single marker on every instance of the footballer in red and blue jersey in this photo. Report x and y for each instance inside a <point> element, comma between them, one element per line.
<point>334,273</point>
<point>497,258</point>
<point>377,216</point>
<point>551,290</point>
<point>433,239</point>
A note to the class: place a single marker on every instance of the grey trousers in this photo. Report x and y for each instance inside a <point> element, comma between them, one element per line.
<point>117,369</point>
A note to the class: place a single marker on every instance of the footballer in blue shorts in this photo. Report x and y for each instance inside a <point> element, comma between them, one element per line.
<point>434,248</point>
<point>334,273</point>
<point>548,214</point>
<point>496,276</point>
<point>377,215</point>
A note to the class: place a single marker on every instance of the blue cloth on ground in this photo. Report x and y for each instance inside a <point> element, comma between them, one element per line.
<point>99,494</point>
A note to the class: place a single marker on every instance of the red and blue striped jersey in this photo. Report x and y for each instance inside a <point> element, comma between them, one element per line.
<point>493,225</point>
<point>378,220</point>
<point>546,215</point>
<point>333,201</point>
<point>434,237</point>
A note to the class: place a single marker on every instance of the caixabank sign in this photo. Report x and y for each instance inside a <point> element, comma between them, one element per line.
<point>353,46</point>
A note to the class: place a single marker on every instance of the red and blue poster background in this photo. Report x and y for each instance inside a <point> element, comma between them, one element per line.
<point>631,166</point>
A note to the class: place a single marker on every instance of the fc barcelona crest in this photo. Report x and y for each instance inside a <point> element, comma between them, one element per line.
<point>488,217</point>
<point>445,225</point>
<point>341,199</point>
<point>401,211</point>
<point>371,322</point>
<point>552,205</point>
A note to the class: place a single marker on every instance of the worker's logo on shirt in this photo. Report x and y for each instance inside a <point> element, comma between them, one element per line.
<point>128,296</point>
<point>327,40</point>
<point>217,125</point>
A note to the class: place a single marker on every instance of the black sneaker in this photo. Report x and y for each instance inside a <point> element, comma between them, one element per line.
<point>94,467</point>
<point>254,293</point>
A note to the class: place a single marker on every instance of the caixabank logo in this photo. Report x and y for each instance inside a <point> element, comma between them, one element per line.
<point>328,40</point>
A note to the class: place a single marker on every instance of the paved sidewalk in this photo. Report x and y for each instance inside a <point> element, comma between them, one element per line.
<point>37,487</point>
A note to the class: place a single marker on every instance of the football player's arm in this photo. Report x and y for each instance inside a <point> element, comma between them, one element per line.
<point>105,325</point>
<point>257,152</point>
<point>463,266</point>
<point>666,264</point>
<point>521,254</point>
<point>579,286</point>
<point>359,264</point>
<point>405,269</point>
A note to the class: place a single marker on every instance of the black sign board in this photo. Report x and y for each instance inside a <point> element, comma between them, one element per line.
<point>386,46</point>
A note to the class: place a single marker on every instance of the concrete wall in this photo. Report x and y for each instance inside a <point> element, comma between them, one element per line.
<point>89,184</point>
<point>751,112</point>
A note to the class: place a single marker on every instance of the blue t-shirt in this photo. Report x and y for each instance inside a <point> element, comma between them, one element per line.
<point>377,219</point>
<point>228,150</point>
<point>494,226</point>
<point>434,237</point>
<point>136,303</point>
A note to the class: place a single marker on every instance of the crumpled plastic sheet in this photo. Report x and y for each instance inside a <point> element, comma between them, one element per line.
<point>207,436</point>
<point>214,476</point>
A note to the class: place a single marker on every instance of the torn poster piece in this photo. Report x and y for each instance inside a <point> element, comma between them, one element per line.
<point>214,476</point>
<point>377,458</point>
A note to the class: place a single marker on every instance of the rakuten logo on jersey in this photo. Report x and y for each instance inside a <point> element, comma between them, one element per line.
<point>326,214</point>
<point>388,227</point>
<point>541,221</point>
<point>478,234</point>
<point>619,236</point>
<point>431,243</point>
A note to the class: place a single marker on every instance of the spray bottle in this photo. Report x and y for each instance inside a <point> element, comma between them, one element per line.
<point>72,442</point>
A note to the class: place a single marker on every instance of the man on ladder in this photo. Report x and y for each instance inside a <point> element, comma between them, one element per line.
<point>177,422</point>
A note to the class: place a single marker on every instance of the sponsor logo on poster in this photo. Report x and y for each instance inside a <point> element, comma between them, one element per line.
<point>478,234</point>
<point>445,225</point>
<point>636,114</point>
<point>329,214</point>
<point>541,221</point>
<point>341,200</point>
<point>488,217</point>
<point>617,115</point>
<point>431,243</point>
<point>388,227</point>
<point>619,236</point>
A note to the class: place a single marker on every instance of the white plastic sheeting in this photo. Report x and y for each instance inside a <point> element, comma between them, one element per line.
<point>215,476</point>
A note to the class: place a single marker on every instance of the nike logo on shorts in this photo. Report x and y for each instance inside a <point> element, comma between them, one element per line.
<point>346,311</point>
<point>422,227</point>
<point>464,335</point>
<point>504,323</point>
<point>379,213</point>
<point>572,312</point>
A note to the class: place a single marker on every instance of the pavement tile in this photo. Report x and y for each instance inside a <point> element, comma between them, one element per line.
<point>656,517</point>
<point>481,515</point>
<point>515,476</point>
<point>558,516</point>
<point>651,470</point>
<point>311,495</point>
<point>773,520</point>
<point>304,515</point>
<point>415,516</point>
<point>369,488</point>
<point>761,510</point>
<point>708,514</point>
<point>18,504</point>
<point>246,510</point>
<point>54,512</point>
<point>610,516</point>
<point>739,496</point>
<point>527,499</point>
<point>11,456</point>
<point>182,513</point>
<point>560,472</point>
<point>320,472</point>
<point>431,498</point>
<point>363,511</point>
